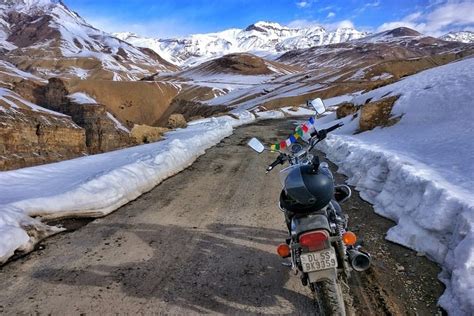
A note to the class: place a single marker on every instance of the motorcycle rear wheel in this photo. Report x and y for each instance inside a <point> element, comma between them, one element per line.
<point>329,298</point>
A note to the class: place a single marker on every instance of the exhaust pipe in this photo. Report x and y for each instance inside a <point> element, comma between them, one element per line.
<point>360,261</point>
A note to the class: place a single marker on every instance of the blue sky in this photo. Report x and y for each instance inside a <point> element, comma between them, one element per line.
<point>168,18</point>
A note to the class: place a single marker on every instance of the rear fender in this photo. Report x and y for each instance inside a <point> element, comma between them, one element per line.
<point>309,222</point>
<point>328,274</point>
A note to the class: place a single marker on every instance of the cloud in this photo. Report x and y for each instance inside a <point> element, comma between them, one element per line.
<point>441,19</point>
<point>366,6</point>
<point>327,8</point>
<point>341,24</point>
<point>302,23</point>
<point>303,4</point>
<point>331,15</point>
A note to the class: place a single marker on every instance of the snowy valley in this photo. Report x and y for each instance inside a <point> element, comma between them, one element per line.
<point>90,121</point>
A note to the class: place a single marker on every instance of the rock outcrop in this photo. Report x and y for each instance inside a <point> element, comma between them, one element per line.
<point>30,135</point>
<point>377,113</point>
<point>102,132</point>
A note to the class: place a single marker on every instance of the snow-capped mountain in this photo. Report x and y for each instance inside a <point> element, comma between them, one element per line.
<point>261,38</point>
<point>463,36</point>
<point>44,35</point>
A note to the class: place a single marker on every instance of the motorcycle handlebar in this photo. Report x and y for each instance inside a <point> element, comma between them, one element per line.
<point>322,133</point>
<point>334,127</point>
<point>278,161</point>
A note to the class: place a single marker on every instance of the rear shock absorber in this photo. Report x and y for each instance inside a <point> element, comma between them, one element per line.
<point>341,248</point>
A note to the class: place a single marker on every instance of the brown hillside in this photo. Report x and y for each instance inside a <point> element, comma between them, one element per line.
<point>136,102</point>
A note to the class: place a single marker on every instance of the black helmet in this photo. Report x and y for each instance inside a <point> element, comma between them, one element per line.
<point>306,190</point>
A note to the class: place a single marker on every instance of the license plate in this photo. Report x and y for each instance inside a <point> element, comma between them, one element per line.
<point>321,260</point>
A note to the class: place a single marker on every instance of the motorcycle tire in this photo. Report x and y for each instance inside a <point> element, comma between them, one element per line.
<point>329,298</point>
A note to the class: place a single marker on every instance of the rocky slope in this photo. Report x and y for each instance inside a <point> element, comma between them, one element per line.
<point>48,39</point>
<point>262,38</point>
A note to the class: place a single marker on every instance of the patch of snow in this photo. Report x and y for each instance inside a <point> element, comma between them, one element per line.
<point>79,72</point>
<point>340,99</point>
<point>383,76</point>
<point>12,70</point>
<point>419,172</point>
<point>117,123</point>
<point>300,112</point>
<point>82,98</point>
<point>272,114</point>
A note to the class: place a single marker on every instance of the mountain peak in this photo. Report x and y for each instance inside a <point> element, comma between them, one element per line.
<point>403,31</point>
<point>261,38</point>
<point>461,36</point>
<point>124,36</point>
<point>263,26</point>
<point>31,3</point>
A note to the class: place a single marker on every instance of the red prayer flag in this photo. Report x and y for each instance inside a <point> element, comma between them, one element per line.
<point>305,128</point>
<point>282,144</point>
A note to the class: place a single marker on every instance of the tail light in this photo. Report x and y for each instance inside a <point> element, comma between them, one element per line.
<point>349,238</point>
<point>284,250</point>
<point>315,240</point>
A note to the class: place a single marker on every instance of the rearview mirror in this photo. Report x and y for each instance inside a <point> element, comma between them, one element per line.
<point>256,145</point>
<point>318,106</point>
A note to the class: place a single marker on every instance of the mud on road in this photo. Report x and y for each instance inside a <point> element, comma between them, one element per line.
<point>204,241</point>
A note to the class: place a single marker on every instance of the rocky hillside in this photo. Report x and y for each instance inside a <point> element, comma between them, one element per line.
<point>261,38</point>
<point>242,64</point>
<point>48,39</point>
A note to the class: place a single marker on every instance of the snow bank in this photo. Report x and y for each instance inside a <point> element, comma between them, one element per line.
<point>419,172</point>
<point>97,185</point>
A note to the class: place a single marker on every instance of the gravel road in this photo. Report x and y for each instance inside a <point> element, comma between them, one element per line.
<point>204,241</point>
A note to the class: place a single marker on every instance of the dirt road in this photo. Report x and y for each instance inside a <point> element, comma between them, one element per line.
<point>204,242</point>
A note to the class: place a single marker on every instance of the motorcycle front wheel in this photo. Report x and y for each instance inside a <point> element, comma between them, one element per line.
<point>329,299</point>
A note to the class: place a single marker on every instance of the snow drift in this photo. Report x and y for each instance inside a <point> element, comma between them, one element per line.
<point>419,172</point>
<point>97,185</point>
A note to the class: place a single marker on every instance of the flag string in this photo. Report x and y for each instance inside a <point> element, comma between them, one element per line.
<point>300,131</point>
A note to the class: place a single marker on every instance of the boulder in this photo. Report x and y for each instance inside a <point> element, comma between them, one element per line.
<point>177,121</point>
<point>345,109</point>
<point>147,134</point>
<point>377,113</point>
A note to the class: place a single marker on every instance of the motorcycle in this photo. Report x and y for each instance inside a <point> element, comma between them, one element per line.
<point>320,248</point>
